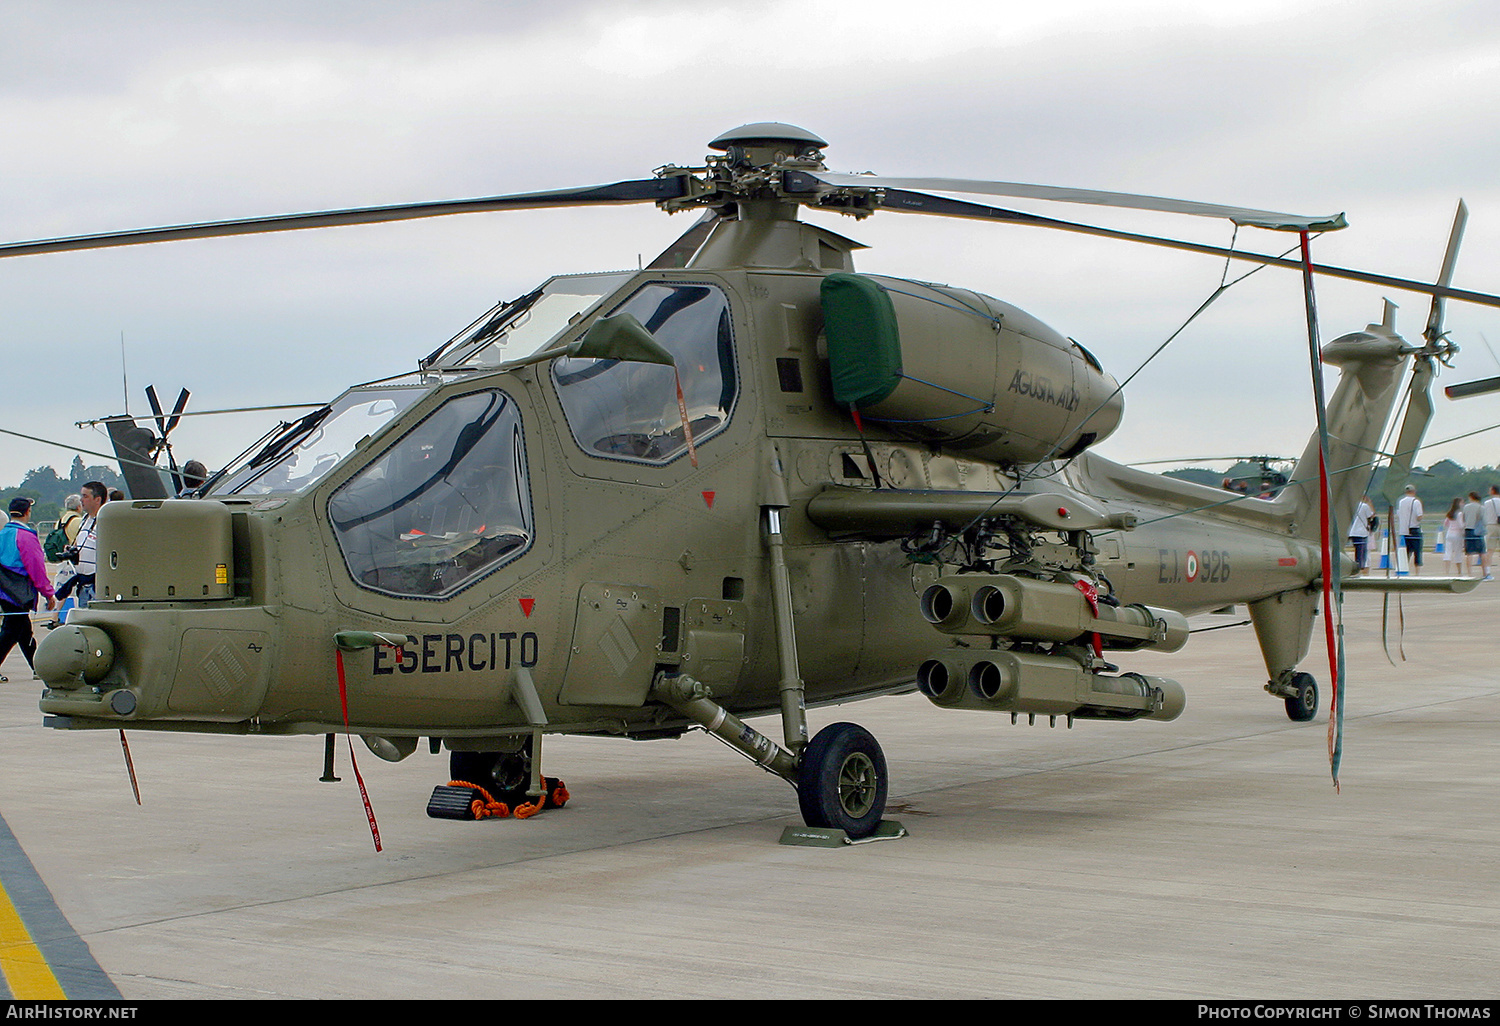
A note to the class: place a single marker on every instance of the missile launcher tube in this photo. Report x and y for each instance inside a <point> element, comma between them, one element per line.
<point>1005,605</point>
<point>999,680</point>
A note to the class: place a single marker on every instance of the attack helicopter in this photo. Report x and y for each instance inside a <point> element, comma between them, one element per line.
<point>743,480</point>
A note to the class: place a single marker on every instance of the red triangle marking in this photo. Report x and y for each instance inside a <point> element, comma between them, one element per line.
<point>708,497</point>
<point>526,605</point>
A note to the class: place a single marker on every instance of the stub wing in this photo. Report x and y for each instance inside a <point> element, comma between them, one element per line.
<point>897,512</point>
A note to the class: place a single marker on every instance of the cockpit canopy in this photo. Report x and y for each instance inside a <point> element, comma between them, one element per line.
<point>298,455</point>
<point>523,326</point>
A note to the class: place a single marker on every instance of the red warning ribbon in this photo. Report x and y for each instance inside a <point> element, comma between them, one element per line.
<point>687,427</point>
<point>1091,596</point>
<point>338,656</point>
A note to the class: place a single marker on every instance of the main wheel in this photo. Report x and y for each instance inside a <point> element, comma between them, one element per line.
<point>505,775</point>
<point>842,781</point>
<point>1303,706</point>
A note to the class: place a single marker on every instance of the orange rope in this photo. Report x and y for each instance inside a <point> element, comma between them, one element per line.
<point>555,796</point>
<point>485,807</point>
<point>529,809</point>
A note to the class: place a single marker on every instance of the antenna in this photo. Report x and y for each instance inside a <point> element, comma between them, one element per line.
<point>124,381</point>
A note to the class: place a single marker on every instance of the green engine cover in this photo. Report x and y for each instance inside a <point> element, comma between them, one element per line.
<point>864,342</point>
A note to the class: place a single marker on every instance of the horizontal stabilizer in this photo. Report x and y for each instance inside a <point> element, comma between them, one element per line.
<point>1451,585</point>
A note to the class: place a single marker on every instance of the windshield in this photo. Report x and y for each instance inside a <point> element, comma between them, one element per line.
<point>297,457</point>
<point>443,505</point>
<point>517,329</point>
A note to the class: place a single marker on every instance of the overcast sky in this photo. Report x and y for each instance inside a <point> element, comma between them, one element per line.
<point>119,115</point>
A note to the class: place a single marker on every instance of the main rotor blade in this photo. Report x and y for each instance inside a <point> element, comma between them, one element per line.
<point>1239,215</point>
<point>644,191</point>
<point>923,203</point>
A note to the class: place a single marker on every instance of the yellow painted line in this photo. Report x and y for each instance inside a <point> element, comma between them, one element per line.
<point>26,972</point>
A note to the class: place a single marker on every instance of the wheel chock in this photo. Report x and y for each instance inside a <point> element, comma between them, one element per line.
<point>832,837</point>
<point>459,799</point>
<point>453,802</point>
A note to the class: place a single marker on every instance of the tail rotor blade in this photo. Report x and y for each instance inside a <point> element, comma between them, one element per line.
<point>1463,389</point>
<point>161,421</point>
<point>1413,427</point>
<point>1434,330</point>
<point>177,409</point>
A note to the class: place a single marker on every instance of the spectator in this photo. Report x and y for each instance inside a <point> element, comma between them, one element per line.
<point>1409,527</point>
<point>72,517</point>
<point>23,576</point>
<point>1491,525</point>
<point>1359,532</point>
<point>93,497</point>
<point>1453,538</point>
<point>193,476</point>
<point>1474,537</point>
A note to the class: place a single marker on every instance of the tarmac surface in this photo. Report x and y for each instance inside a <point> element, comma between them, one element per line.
<point>1207,858</point>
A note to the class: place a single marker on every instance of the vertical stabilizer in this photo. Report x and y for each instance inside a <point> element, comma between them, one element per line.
<point>1371,364</point>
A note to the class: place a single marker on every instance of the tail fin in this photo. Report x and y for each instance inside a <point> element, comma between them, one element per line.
<point>1372,363</point>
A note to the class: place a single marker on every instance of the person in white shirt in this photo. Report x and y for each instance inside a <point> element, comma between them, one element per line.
<point>1359,532</point>
<point>1409,527</point>
<point>92,497</point>
<point>1491,507</point>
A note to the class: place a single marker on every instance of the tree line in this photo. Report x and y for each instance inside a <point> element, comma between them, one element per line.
<point>1437,485</point>
<point>45,487</point>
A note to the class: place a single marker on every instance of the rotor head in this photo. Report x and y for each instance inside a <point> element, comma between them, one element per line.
<point>765,143</point>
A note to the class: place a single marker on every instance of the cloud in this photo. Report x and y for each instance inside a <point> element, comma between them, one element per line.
<point>125,115</point>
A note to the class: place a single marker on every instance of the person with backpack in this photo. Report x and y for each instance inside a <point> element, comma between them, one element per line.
<point>23,576</point>
<point>55,547</point>
<point>66,531</point>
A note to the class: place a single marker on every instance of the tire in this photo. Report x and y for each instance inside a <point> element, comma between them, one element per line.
<point>842,780</point>
<point>1303,706</point>
<point>505,775</point>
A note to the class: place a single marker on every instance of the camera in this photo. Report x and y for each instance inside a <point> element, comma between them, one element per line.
<point>69,554</point>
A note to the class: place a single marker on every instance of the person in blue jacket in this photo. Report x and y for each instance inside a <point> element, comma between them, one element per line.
<point>23,576</point>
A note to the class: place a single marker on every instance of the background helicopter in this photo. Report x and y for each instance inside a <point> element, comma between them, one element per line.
<point>532,533</point>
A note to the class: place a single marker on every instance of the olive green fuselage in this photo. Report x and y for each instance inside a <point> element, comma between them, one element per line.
<point>629,566</point>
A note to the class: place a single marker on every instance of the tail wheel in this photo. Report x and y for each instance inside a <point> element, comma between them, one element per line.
<point>1303,706</point>
<point>842,780</point>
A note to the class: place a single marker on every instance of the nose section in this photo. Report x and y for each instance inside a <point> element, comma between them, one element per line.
<point>166,636</point>
<point>203,666</point>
